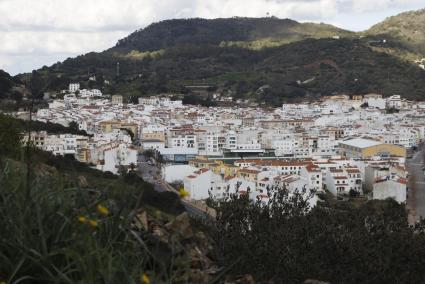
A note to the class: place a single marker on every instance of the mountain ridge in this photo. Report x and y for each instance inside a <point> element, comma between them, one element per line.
<point>239,56</point>
<point>174,32</point>
<point>407,27</point>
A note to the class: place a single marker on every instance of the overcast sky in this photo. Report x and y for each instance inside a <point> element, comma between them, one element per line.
<point>34,33</point>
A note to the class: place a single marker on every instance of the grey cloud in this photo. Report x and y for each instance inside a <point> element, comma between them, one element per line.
<point>33,32</point>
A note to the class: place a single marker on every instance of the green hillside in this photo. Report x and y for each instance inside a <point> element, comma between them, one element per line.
<point>269,60</point>
<point>310,67</point>
<point>197,31</point>
<point>408,28</point>
<point>10,87</point>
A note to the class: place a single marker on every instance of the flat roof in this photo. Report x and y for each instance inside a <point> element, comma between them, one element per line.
<point>178,151</point>
<point>361,143</point>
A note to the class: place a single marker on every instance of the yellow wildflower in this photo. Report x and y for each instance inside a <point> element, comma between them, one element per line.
<point>93,223</point>
<point>81,219</point>
<point>2,282</point>
<point>183,193</point>
<point>157,213</point>
<point>145,279</point>
<point>102,210</point>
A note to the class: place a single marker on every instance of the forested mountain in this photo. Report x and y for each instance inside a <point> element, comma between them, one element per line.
<point>267,59</point>
<point>173,33</point>
<point>10,87</point>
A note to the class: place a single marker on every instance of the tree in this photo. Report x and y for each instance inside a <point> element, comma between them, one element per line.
<point>10,136</point>
<point>364,105</point>
<point>6,83</point>
<point>73,125</point>
<point>392,110</point>
<point>160,160</point>
<point>129,132</point>
<point>37,85</point>
<point>149,153</point>
<point>132,167</point>
<point>287,242</point>
<point>353,193</point>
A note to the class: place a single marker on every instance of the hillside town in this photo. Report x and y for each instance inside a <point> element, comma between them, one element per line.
<point>348,147</point>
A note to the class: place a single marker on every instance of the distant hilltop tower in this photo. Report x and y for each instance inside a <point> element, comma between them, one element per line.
<point>118,69</point>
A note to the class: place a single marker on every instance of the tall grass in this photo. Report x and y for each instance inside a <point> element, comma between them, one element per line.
<point>54,234</point>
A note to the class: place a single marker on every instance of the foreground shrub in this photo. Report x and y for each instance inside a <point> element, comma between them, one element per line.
<point>288,242</point>
<point>51,233</point>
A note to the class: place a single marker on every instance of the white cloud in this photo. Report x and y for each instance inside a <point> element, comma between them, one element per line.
<point>36,30</point>
<point>361,6</point>
<point>47,42</point>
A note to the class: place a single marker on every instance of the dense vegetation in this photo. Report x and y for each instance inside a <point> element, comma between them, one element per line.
<point>54,231</point>
<point>286,242</point>
<point>10,135</point>
<point>63,222</point>
<point>8,87</point>
<point>172,33</point>
<point>269,60</point>
<point>9,122</point>
<point>289,72</point>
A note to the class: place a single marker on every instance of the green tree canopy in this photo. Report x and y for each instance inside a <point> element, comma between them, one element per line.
<point>287,242</point>
<point>10,136</point>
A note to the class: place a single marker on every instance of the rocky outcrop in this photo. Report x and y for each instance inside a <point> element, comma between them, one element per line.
<point>181,226</point>
<point>178,235</point>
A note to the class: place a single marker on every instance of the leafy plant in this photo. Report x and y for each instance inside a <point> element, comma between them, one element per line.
<point>59,233</point>
<point>287,242</point>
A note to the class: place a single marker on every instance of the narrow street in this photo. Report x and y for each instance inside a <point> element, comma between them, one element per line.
<point>416,193</point>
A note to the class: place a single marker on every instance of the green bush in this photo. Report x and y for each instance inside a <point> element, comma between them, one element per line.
<point>53,233</point>
<point>10,136</point>
<point>287,242</point>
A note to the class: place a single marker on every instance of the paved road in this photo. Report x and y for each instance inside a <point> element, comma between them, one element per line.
<point>149,174</point>
<point>416,198</point>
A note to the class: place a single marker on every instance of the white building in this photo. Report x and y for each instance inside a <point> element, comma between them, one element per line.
<point>150,101</point>
<point>375,101</point>
<point>390,187</point>
<point>394,102</point>
<point>154,144</point>
<point>313,177</point>
<point>198,184</point>
<point>84,93</point>
<point>117,156</point>
<point>186,141</point>
<point>73,87</point>
<point>337,182</point>
<point>172,173</point>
